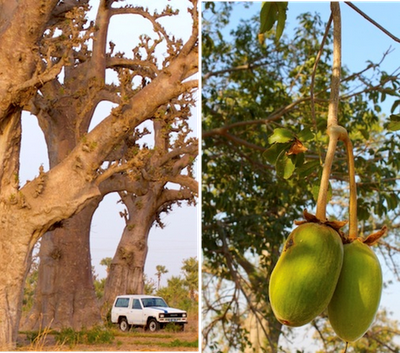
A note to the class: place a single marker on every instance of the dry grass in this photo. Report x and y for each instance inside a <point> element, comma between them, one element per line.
<point>137,340</point>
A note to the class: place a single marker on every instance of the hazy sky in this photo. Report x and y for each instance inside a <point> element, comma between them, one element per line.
<point>179,239</point>
<point>361,41</point>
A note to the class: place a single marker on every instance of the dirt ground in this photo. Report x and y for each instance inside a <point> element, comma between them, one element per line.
<point>137,340</point>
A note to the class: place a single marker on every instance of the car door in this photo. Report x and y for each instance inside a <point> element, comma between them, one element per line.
<point>137,317</point>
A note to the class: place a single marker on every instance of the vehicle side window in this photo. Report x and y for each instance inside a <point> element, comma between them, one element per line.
<point>122,303</point>
<point>136,304</point>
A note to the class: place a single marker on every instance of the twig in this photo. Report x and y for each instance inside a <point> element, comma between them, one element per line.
<point>376,24</point>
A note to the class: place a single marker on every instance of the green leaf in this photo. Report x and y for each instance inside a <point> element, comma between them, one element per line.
<point>365,133</point>
<point>307,168</point>
<point>272,153</point>
<point>267,17</point>
<point>391,201</point>
<point>305,135</point>
<point>395,105</point>
<point>298,159</point>
<point>281,135</point>
<point>282,6</point>
<point>270,13</point>
<point>363,208</point>
<point>315,192</point>
<point>284,166</point>
<point>394,123</point>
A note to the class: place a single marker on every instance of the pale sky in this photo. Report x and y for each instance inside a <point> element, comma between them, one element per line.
<point>179,239</point>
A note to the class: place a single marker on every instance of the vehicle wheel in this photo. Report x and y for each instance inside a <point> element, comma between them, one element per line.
<point>123,325</point>
<point>182,328</point>
<point>153,325</point>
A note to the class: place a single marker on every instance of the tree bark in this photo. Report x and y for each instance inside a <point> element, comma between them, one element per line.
<point>65,294</point>
<point>126,275</point>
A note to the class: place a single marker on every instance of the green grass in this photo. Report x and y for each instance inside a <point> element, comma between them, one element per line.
<point>173,344</point>
<point>172,327</point>
<point>95,335</point>
<point>142,334</point>
<point>179,343</point>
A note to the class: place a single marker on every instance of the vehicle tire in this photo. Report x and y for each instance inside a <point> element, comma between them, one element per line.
<point>123,325</point>
<point>182,328</point>
<point>153,325</point>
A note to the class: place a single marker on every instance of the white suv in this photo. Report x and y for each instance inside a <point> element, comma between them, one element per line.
<point>147,311</point>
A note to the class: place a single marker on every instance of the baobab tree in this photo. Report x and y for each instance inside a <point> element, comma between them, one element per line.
<point>175,154</point>
<point>65,278</point>
<point>39,40</point>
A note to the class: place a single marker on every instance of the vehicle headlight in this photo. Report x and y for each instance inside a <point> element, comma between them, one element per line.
<point>161,315</point>
<point>184,315</point>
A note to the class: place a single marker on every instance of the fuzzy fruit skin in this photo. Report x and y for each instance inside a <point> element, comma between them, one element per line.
<point>305,276</point>
<point>358,292</point>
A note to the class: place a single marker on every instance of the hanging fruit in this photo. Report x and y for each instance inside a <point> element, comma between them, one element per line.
<point>305,276</point>
<point>358,292</point>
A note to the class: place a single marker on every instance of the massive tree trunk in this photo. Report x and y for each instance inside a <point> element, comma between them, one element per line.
<point>126,273</point>
<point>65,294</point>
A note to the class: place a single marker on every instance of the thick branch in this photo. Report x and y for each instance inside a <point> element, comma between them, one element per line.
<point>142,67</point>
<point>123,182</point>
<point>98,66</point>
<point>186,181</point>
<point>191,150</point>
<point>58,14</point>
<point>193,40</point>
<point>171,196</point>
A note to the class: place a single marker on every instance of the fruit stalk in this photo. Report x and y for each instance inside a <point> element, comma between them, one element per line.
<point>333,129</point>
<point>353,228</point>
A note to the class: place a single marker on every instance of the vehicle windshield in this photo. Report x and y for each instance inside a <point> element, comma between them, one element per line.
<point>147,302</point>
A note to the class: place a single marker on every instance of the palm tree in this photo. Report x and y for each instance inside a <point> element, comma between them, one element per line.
<point>160,271</point>
<point>190,270</point>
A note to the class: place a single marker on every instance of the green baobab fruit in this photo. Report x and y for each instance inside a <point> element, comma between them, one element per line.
<point>305,276</point>
<point>358,292</point>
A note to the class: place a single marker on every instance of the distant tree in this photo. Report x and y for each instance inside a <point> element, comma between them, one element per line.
<point>175,293</point>
<point>190,271</point>
<point>161,270</point>
<point>106,262</point>
<point>99,286</point>
<point>149,285</point>
<point>30,285</point>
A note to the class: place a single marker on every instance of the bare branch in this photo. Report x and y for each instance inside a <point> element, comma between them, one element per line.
<point>193,40</point>
<point>58,14</point>
<point>185,181</point>
<point>376,24</point>
<point>98,67</point>
<point>141,67</point>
